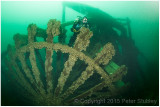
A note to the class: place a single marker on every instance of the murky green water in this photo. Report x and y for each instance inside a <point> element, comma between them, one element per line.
<point>141,51</point>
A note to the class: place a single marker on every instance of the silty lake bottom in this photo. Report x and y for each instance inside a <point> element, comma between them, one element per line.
<point>79,53</point>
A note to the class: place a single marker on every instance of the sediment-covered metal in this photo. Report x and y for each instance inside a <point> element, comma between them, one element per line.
<point>31,37</point>
<point>20,77</point>
<point>43,90</point>
<point>106,54</point>
<point>81,43</point>
<point>52,30</point>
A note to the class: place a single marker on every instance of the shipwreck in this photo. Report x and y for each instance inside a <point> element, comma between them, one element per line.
<point>48,73</point>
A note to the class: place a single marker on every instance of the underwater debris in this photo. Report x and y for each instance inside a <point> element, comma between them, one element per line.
<point>22,62</point>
